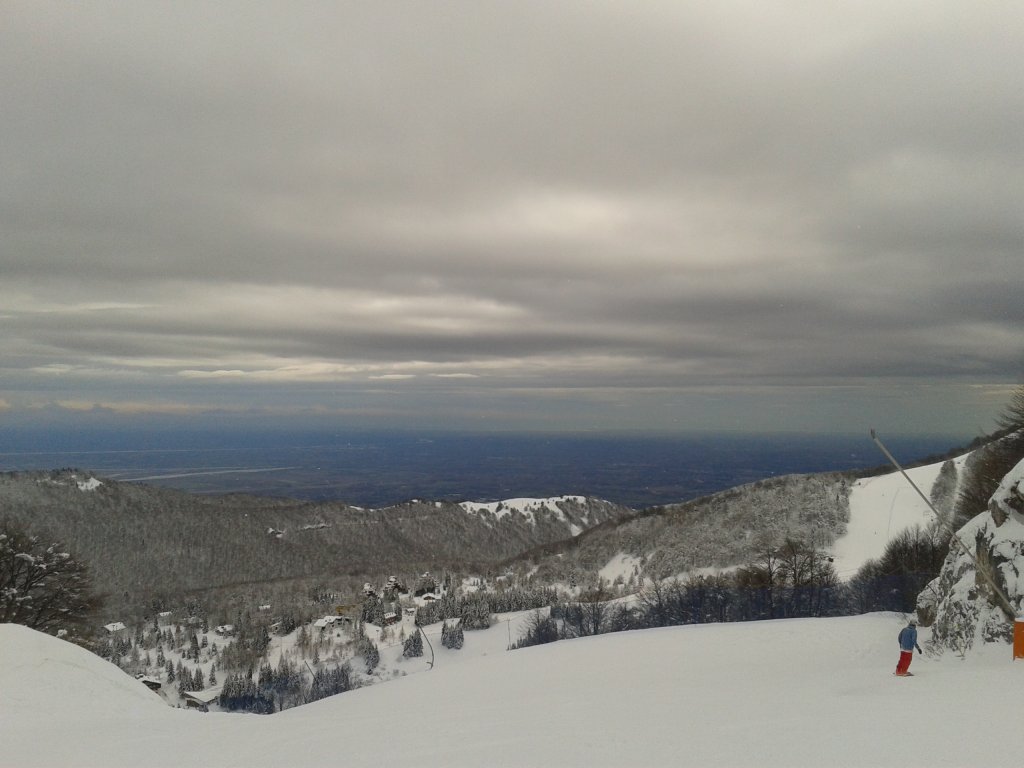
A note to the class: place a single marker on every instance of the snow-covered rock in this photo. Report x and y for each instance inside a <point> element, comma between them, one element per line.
<point>960,604</point>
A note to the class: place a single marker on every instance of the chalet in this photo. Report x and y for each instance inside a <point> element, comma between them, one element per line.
<point>390,618</point>
<point>225,629</point>
<point>201,700</point>
<point>152,683</point>
<point>116,629</point>
<point>163,618</point>
<point>325,622</point>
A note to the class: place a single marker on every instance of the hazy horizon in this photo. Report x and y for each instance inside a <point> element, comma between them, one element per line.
<point>376,468</point>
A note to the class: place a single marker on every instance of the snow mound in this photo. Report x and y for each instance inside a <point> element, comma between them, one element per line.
<point>41,676</point>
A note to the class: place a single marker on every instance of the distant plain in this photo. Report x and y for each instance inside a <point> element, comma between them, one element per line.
<point>374,469</point>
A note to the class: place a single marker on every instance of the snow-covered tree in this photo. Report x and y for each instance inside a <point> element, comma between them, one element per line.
<point>41,585</point>
<point>413,647</point>
<point>452,636</point>
<point>368,650</point>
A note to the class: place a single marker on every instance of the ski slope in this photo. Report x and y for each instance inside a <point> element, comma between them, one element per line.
<point>880,509</point>
<point>799,692</point>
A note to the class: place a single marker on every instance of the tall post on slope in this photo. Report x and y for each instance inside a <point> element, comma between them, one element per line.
<point>430,664</point>
<point>1003,599</point>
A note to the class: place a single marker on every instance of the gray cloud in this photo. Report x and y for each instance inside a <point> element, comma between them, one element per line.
<point>226,204</point>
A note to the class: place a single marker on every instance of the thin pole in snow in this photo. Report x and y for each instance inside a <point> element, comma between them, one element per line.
<point>967,551</point>
<point>430,664</point>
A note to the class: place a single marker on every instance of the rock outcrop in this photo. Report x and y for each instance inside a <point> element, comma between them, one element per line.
<point>960,604</point>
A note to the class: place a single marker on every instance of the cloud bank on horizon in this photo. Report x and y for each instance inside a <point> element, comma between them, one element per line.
<point>598,216</point>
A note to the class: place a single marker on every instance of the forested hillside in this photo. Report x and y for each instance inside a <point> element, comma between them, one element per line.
<point>722,530</point>
<point>143,542</point>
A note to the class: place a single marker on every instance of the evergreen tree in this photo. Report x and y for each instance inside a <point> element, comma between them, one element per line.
<point>366,648</point>
<point>452,636</point>
<point>413,647</point>
<point>475,612</point>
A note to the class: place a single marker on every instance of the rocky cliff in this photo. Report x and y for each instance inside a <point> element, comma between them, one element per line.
<point>960,605</point>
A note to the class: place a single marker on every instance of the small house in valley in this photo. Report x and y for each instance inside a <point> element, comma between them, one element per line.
<point>201,700</point>
<point>116,629</point>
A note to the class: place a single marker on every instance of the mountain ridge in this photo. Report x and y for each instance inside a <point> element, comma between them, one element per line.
<point>142,541</point>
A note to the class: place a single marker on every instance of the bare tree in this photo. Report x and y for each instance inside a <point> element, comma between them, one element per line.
<point>41,585</point>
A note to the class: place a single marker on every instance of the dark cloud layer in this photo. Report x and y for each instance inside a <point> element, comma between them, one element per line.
<point>492,211</point>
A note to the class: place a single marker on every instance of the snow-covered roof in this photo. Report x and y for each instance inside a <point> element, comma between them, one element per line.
<point>204,697</point>
<point>115,626</point>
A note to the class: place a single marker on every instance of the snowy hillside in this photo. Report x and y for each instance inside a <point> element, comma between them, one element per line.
<point>852,520</point>
<point>571,511</point>
<point>777,693</point>
<point>880,509</point>
<point>159,541</point>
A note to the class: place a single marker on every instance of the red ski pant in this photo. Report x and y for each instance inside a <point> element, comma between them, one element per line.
<point>905,658</point>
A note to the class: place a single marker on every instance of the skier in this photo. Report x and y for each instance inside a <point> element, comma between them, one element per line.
<point>908,642</point>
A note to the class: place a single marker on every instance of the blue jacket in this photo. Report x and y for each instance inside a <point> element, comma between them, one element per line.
<point>908,639</point>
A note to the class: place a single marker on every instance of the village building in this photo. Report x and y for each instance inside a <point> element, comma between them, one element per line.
<point>116,629</point>
<point>325,622</point>
<point>152,683</point>
<point>201,700</point>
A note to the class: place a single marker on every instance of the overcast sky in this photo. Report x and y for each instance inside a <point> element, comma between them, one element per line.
<point>658,216</point>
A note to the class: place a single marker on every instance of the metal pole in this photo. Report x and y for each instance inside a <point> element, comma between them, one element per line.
<point>1006,606</point>
<point>431,647</point>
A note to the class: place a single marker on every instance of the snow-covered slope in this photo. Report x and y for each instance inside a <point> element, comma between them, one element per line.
<point>781,693</point>
<point>880,509</point>
<point>572,511</point>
